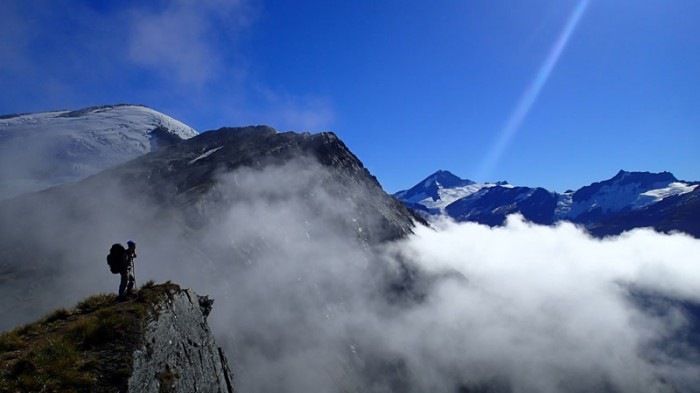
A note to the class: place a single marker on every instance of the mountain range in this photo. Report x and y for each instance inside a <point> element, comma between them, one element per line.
<point>626,201</point>
<point>243,213</point>
<point>317,288</point>
<point>175,193</point>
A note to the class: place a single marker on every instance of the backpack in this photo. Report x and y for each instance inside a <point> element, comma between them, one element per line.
<point>116,258</point>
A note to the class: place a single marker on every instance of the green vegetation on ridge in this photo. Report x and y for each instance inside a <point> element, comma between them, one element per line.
<point>88,348</point>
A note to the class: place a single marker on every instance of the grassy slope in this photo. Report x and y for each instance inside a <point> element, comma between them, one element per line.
<point>84,349</point>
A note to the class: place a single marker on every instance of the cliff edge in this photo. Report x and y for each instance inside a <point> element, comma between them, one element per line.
<point>159,341</point>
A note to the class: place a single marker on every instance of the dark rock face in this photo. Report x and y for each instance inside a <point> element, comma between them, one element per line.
<point>166,199</point>
<point>179,353</point>
<point>161,136</point>
<point>492,205</point>
<point>181,174</point>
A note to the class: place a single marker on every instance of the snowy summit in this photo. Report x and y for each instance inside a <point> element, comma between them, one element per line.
<point>72,145</point>
<point>434,193</point>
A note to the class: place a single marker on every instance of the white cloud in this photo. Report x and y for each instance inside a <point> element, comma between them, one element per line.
<point>546,308</point>
<point>301,305</point>
<point>187,40</point>
<point>299,113</point>
<point>532,308</point>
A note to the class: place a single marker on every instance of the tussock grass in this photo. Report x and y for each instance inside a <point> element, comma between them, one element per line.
<point>10,341</point>
<point>52,366</point>
<point>107,325</point>
<point>149,284</point>
<point>85,349</point>
<point>58,315</point>
<point>95,302</point>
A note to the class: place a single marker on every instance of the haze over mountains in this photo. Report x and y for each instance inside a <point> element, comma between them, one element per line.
<point>323,282</point>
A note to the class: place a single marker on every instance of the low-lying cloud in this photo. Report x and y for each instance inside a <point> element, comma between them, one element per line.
<point>523,307</point>
<point>548,308</point>
<point>303,303</point>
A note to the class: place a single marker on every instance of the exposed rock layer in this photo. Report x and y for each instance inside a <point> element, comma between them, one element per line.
<point>179,353</point>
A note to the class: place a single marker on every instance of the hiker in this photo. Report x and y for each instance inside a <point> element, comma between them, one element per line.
<point>127,273</point>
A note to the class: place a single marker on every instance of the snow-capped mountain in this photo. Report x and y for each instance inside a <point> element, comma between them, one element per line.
<point>434,193</point>
<point>626,191</point>
<point>75,144</point>
<point>627,194</point>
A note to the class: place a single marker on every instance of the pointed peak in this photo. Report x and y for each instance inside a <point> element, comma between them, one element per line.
<point>620,174</point>
<point>644,180</point>
<point>446,179</point>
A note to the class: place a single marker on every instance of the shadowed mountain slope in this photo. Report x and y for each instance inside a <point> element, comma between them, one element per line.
<point>172,199</point>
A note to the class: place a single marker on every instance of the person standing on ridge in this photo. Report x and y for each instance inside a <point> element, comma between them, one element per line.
<point>127,274</point>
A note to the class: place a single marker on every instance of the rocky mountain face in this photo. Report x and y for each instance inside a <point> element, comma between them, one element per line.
<point>178,352</point>
<point>172,199</point>
<point>184,175</point>
<point>157,341</point>
<point>492,205</point>
<point>291,234</point>
<point>40,150</point>
<point>626,201</point>
<point>245,213</point>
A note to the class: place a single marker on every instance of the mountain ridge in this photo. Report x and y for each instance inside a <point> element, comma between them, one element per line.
<point>170,194</point>
<point>157,341</point>
<point>627,194</point>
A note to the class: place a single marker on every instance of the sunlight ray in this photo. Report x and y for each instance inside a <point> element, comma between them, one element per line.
<point>527,100</point>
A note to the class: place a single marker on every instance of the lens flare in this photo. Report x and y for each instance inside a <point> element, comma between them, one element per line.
<point>527,100</point>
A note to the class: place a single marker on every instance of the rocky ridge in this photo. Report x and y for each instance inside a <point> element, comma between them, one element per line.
<point>173,196</point>
<point>626,201</point>
<point>157,342</point>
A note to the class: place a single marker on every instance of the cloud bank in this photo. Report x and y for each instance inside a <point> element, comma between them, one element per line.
<point>522,308</point>
<point>304,304</point>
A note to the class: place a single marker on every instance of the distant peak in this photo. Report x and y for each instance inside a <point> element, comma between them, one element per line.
<point>623,175</point>
<point>432,184</point>
<point>644,180</point>
<point>446,179</point>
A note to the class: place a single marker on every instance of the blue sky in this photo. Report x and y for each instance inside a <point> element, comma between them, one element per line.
<point>556,93</point>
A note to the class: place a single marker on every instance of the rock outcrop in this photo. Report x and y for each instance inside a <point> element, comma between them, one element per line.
<point>157,342</point>
<point>178,352</point>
